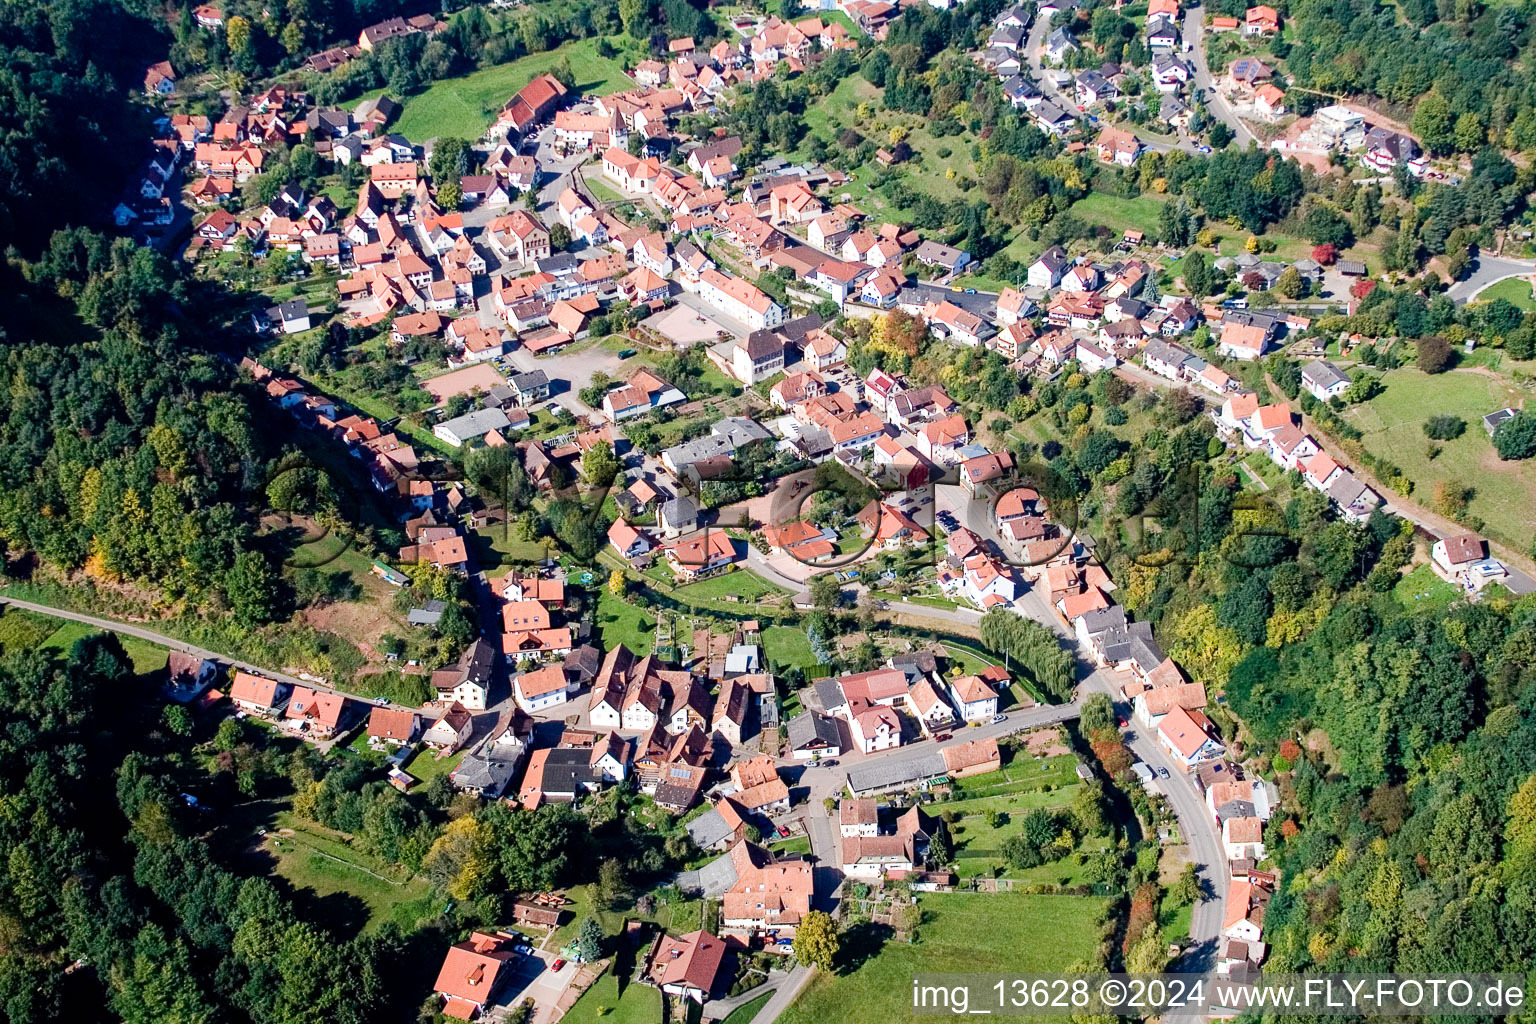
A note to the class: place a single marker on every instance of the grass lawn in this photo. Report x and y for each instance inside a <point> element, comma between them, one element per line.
<point>146,657</point>
<point>465,106</point>
<point>1393,426</point>
<point>639,1004</point>
<point>744,1013</point>
<point>786,646</point>
<point>961,933</point>
<point>496,545</point>
<point>979,846</point>
<point>1515,289</point>
<point>1421,588</point>
<point>24,630</point>
<point>313,859</point>
<point>746,585</point>
<point>1015,802</point>
<point>1176,922</point>
<point>620,623</point>
<point>970,662</point>
<point>795,844</point>
<point>601,189</point>
<point>426,765</point>
<point>1117,214</point>
<point>678,919</point>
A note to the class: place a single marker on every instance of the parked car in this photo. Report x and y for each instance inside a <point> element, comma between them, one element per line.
<point>830,763</point>
<point>1162,773</point>
<point>941,737</point>
<point>1120,721</point>
<point>783,832</point>
<point>999,718</point>
<point>557,964</point>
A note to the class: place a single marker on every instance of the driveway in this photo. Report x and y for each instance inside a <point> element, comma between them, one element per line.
<point>531,978</point>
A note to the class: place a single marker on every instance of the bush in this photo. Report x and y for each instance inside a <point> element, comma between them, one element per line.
<point>1444,428</point>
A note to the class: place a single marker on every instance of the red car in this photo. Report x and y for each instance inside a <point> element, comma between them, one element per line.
<point>941,737</point>
<point>557,964</point>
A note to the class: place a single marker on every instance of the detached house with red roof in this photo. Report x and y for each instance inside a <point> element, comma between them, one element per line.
<point>889,527</point>
<point>470,974</point>
<point>391,727</point>
<point>1261,20</point>
<point>974,698</point>
<point>314,713</point>
<point>1188,736</point>
<point>702,555</point>
<point>258,695</point>
<point>942,440</point>
<point>686,965</point>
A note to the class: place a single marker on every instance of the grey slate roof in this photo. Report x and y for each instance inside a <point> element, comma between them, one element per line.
<point>678,511</point>
<point>717,876</point>
<point>486,774</point>
<point>697,450</point>
<point>708,829</point>
<point>476,423</point>
<point>896,773</point>
<point>533,380</point>
<point>830,693</point>
<point>1324,374</point>
<point>805,728</point>
<point>739,431</point>
<point>427,615</point>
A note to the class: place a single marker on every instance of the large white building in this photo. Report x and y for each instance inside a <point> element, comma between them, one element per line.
<point>741,300</point>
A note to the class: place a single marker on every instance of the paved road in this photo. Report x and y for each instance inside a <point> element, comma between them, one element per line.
<point>1487,270</point>
<point>719,1009</point>
<point>1215,103</point>
<point>788,990</point>
<point>491,714</point>
<point>139,632</point>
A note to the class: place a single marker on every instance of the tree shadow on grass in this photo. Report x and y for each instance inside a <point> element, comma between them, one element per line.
<point>861,943</point>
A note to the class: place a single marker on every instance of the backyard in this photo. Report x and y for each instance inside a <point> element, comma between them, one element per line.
<point>960,932</point>
<point>619,623</point>
<point>785,646</point>
<point>638,1004</point>
<point>1393,426</point>
<point>1421,588</point>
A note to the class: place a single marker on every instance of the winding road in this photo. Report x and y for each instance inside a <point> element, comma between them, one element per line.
<point>1200,832</point>
<point>1215,103</point>
<point>1488,270</point>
